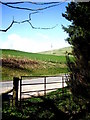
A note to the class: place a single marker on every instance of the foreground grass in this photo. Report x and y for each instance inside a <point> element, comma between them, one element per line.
<point>54,106</point>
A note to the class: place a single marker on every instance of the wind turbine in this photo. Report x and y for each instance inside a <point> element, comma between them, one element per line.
<point>51,48</point>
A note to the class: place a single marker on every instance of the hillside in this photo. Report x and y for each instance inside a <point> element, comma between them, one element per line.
<point>6,53</point>
<point>58,52</point>
<point>17,63</point>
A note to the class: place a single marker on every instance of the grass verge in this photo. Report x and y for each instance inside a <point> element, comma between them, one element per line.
<point>56,105</point>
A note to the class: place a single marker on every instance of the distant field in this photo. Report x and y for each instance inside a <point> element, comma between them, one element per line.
<point>58,52</point>
<point>18,63</point>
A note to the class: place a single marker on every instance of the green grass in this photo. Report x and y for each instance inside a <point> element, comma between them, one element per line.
<point>18,63</point>
<point>33,56</point>
<point>53,106</point>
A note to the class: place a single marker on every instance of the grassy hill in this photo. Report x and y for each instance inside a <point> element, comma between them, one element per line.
<point>33,56</point>
<point>17,63</point>
<point>58,52</point>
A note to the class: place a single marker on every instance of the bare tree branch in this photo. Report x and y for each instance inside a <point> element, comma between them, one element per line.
<point>8,27</point>
<point>26,21</point>
<point>41,27</point>
<point>30,9</point>
<point>10,4</point>
<point>36,3</point>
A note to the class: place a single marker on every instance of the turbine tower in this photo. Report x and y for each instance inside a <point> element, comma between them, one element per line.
<point>51,48</point>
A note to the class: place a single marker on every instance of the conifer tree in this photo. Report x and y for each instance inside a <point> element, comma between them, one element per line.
<point>79,38</point>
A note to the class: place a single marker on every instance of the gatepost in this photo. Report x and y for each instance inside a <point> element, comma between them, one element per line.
<point>15,91</point>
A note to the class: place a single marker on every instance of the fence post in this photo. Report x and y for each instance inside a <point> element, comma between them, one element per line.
<point>20,90</point>
<point>15,91</point>
<point>44,85</point>
<point>62,81</point>
<point>62,84</point>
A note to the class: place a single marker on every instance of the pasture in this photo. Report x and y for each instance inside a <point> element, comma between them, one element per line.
<point>33,56</point>
<point>18,63</point>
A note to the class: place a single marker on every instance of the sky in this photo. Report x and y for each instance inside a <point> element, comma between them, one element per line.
<point>24,38</point>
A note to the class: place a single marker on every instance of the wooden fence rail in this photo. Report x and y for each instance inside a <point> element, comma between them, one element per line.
<point>44,83</point>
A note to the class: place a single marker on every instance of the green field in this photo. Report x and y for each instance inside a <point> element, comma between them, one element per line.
<point>17,63</point>
<point>58,52</point>
<point>33,56</point>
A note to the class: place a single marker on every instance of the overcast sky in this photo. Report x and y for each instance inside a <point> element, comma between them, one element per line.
<point>23,37</point>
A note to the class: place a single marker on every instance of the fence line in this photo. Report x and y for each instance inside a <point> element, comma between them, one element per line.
<point>45,84</point>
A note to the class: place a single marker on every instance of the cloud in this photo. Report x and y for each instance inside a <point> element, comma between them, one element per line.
<point>40,42</point>
<point>17,42</point>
